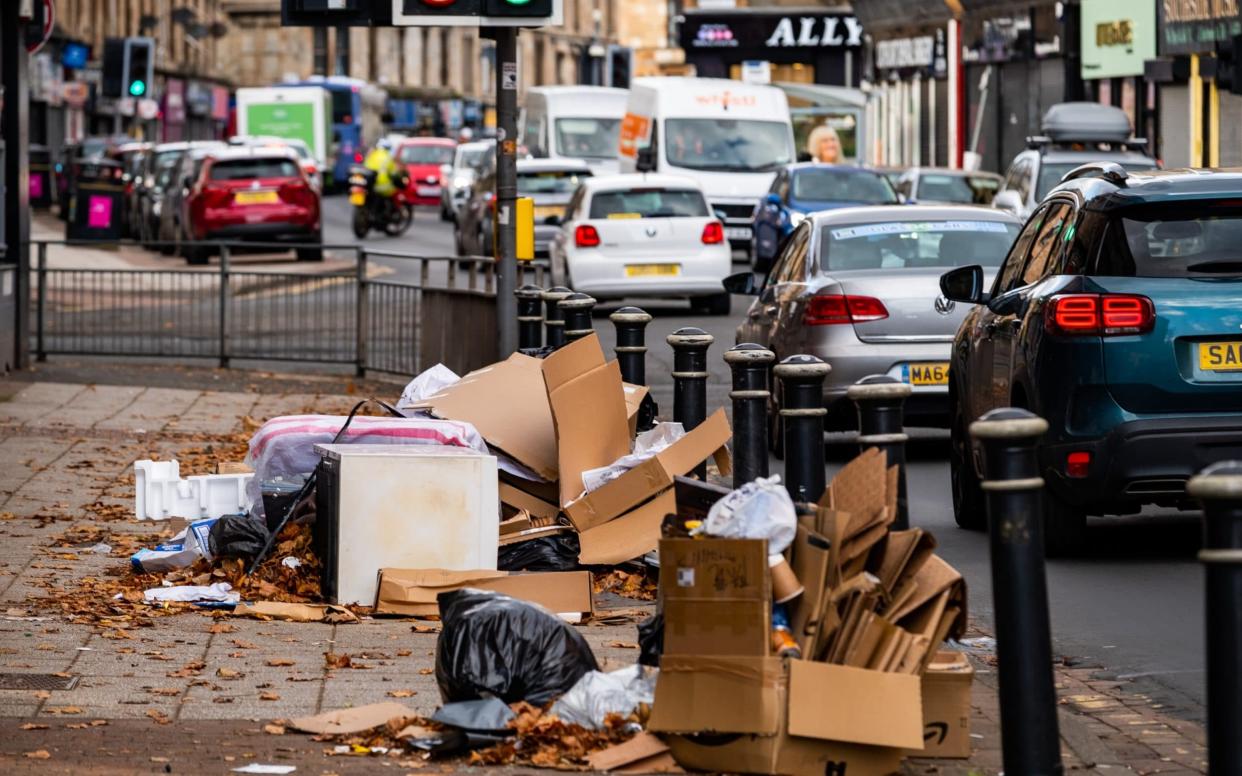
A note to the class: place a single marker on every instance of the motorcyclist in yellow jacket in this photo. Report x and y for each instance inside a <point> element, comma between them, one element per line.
<point>381,161</point>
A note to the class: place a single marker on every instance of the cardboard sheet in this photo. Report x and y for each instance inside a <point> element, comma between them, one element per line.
<point>719,694</point>
<point>869,707</point>
<point>356,720</point>
<point>412,592</point>
<point>275,610</point>
<point>644,753</point>
<point>629,536</point>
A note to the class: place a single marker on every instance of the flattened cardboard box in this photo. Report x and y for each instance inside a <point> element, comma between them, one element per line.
<point>946,706</point>
<point>655,474</point>
<point>630,536</point>
<point>412,592</point>
<point>766,701</point>
<point>717,596</point>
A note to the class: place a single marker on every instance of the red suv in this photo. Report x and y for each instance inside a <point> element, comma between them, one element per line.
<point>426,159</point>
<point>252,194</point>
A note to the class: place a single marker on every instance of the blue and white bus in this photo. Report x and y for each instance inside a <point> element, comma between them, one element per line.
<point>357,119</point>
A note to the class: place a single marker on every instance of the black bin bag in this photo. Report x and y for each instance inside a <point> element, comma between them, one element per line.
<point>494,645</point>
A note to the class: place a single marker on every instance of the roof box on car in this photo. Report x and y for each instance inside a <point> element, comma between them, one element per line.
<point>1085,122</point>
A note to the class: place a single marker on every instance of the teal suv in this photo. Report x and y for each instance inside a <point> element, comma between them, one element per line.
<point>1117,316</point>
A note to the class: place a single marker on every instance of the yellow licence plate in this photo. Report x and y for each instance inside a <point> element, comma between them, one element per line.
<point>358,198</point>
<point>256,198</point>
<point>1220,356</point>
<point>929,374</point>
<point>642,270</point>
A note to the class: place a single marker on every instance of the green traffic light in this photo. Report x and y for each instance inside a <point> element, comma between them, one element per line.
<point>517,2</point>
<point>139,88</point>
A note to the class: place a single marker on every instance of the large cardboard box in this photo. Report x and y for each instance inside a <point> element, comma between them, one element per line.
<point>717,597</point>
<point>946,706</point>
<point>412,592</point>
<point>766,715</point>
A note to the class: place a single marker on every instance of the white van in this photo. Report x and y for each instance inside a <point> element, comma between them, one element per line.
<point>574,122</point>
<point>730,136</point>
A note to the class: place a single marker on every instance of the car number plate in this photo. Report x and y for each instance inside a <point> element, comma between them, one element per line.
<point>1220,356</point>
<point>358,198</point>
<point>642,270</point>
<point>738,232</point>
<point>428,191</point>
<point>927,374</point>
<point>256,198</point>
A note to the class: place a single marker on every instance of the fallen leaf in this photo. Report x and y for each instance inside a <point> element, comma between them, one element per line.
<point>39,754</point>
<point>228,673</point>
<point>269,696</point>
<point>221,627</point>
<point>403,653</point>
<point>222,699</point>
<point>426,671</point>
<point>33,726</point>
<point>63,710</point>
<point>160,760</point>
<point>241,644</point>
<point>623,645</point>
<point>42,695</point>
<point>401,693</point>
<point>274,730</point>
<point>280,661</point>
<point>167,691</point>
<point>160,717</point>
<point>333,660</point>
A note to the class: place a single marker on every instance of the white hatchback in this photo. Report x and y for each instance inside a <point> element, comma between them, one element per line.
<point>643,235</point>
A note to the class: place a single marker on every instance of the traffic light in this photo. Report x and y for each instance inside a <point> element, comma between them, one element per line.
<point>619,65</point>
<point>525,9</point>
<point>139,67</point>
<point>477,13</point>
<point>111,84</point>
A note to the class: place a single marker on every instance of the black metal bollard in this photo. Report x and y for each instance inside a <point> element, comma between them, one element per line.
<point>1219,487</point>
<point>750,364</point>
<point>631,347</point>
<point>690,346</point>
<point>576,310</point>
<point>880,400</point>
<point>1014,490</point>
<point>802,414</point>
<point>553,321</point>
<point>530,321</point>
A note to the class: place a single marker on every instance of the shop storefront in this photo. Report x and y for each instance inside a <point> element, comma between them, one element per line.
<point>800,46</point>
<point>174,110</point>
<point>1116,38</point>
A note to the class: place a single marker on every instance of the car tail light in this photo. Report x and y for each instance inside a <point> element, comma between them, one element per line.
<point>830,309</point>
<point>1078,464</point>
<point>713,233</point>
<point>216,196</point>
<point>296,193</point>
<point>586,236</point>
<point>1099,314</point>
<point>357,158</point>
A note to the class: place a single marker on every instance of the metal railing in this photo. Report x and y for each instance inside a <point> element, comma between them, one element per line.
<point>391,311</point>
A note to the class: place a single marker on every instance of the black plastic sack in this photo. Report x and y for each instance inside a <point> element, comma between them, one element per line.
<point>558,552</point>
<point>491,644</point>
<point>237,536</point>
<point>651,640</point>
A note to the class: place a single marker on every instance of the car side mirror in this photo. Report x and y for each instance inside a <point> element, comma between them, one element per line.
<point>773,199</point>
<point>1008,200</point>
<point>187,183</point>
<point>742,283</point>
<point>645,159</point>
<point>553,220</point>
<point>964,284</point>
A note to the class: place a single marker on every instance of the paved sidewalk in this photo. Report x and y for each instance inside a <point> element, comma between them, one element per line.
<point>189,691</point>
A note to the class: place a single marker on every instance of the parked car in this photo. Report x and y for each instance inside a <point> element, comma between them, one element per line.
<point>132,158</point>
<point>175,184</point>
<point>1074,133</point>
<point>805,188</point>
<point>427,160</point>
<point>859,287</point>
<point>643,235</point>
<point>1115,316</point>
<point>306,159</point>
<point>256,194</point>
<point>943,186</point>
<point>468,160</point>
<point>550,182</point>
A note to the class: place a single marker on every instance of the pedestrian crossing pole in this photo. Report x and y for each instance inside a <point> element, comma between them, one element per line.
<point>506,187</point>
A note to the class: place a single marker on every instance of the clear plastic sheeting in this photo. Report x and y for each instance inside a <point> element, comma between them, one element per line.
<point>761,509</point>
<point>646,445</point>
<point>427,384</point>
<point>598,695</point>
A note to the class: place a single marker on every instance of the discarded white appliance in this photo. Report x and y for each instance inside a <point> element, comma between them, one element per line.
<point>161,493</point>
<point>419,507</point>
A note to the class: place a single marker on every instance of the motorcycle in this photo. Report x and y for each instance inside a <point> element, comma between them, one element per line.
<point>393,215</point>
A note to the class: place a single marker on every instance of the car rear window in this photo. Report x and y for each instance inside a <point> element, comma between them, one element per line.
<point>836,186</point>
<point>1202,240</point>
<point>244,169</point>
<point>550,181</point>
<point>915,244</point>
<point>649,203</point>
<point>425,153</point>
<point>966,189</point>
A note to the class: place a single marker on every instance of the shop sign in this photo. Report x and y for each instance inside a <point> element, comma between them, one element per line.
<point>75,93</point>
<point>220,103</point>
<point>198,98</point>
<point>1117,37</point>
<point>901,53</point>
<point>757,31</point>
<point>1193,26</point>
<point>174,101</point>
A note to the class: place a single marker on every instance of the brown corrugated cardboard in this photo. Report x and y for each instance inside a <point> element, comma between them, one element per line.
<point>903,554</point>
<point>946,706</point>
<point>811,553</point>
<point>630,536</point>
<point>644,753</point>
<point>932,579</point>
<point>520,499</point>
<point>412,592</point>
<point>588,411</point>
<point>764,699</point>
<point>717,596</point>
<point>356,720</point>
<point>653,475</point>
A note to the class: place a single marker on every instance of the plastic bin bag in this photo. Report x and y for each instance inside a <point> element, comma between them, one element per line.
<point>597,695</point>
<point>558,552</point>
<point>761,509</point>
<point>494,645</point>
<point>651,640</point>
<point>237,536</point>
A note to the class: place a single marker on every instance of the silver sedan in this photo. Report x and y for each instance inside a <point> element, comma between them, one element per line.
<point>859,288</point>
